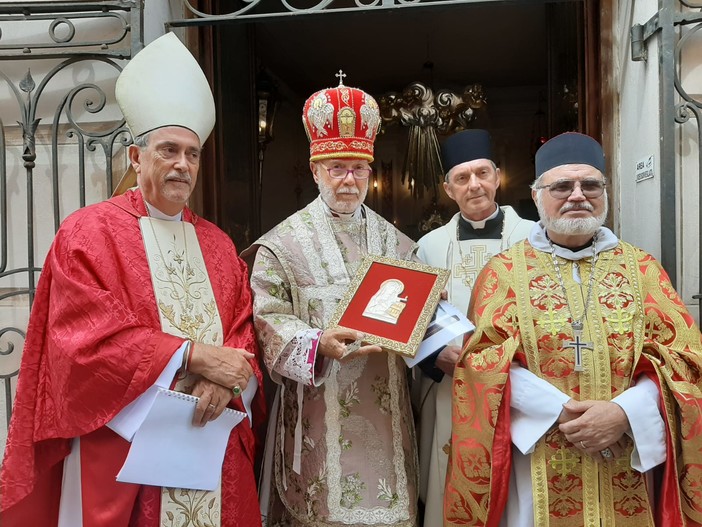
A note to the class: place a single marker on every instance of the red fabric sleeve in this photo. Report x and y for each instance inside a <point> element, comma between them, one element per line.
<point>91,346</point>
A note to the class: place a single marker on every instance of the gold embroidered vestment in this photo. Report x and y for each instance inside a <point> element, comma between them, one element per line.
<point>638,325</point>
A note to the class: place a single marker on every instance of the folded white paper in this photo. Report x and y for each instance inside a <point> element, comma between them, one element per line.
<point>447,324</point>
<point>129,419</point>
<point>168,451</point>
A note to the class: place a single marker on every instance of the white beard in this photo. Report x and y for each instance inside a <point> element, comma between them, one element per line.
<point>344,207</point>
<point>572,226</point>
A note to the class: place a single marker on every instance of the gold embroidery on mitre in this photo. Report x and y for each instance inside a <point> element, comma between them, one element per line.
<point>362,145</point>
<point>347,122</point>
<point>320,113</point>
<point>370,117</point>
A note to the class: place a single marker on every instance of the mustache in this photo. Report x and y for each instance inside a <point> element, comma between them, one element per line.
<point>577,206</point>
<point>180,177</point>
<point>347,190</point>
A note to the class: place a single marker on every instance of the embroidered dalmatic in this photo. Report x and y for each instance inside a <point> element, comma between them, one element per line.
<point>638,326</point>
<point>344,436</point>
<point>440,248</point>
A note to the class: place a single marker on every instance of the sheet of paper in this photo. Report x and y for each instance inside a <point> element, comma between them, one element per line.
<point>447,324</point>
<point>129,419</point>
<point>168,451</point>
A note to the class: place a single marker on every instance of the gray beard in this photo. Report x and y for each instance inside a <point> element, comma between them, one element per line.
<point>572,226</point>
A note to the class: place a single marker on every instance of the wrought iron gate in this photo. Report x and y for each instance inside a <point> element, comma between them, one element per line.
<point>58,65</point>
<point>678,23</point>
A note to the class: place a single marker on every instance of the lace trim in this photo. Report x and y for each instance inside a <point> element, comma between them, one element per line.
<point>401,509</point>
<point>296,362</point>
<point>275,323</point>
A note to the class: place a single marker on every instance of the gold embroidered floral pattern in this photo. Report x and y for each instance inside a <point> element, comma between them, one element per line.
<point>190,509</point>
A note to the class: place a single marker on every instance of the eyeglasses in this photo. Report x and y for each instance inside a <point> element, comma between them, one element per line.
<point>591,188</point>
<point>341,173</point>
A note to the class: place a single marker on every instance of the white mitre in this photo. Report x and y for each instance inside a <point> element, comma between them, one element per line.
<point>163,85</point>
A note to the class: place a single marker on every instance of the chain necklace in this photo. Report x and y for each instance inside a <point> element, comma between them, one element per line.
<point>576,323</point>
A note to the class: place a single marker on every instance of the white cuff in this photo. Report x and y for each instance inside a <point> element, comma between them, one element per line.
<point>536,405</point>
<point>641,406</point>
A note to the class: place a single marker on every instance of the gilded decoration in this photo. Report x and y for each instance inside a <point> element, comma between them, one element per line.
<point>183,282</point>
<point>347,122</point>
<point>409,347</point>
<point>336,146</point>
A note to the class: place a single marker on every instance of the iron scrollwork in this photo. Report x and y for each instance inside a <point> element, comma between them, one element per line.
<point>252,10</point>
<point>686,109</point>
<point>39,128</point>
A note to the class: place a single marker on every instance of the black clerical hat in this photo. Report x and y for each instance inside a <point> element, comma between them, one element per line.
<point>569,148</point>
<point>465,146</point>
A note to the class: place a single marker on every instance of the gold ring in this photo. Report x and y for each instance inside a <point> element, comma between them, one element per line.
<point>582,444</point>
<point>236,390</point>
<point>212,406</point>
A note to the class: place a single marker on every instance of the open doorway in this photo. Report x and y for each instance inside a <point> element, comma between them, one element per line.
<point>535,62</point>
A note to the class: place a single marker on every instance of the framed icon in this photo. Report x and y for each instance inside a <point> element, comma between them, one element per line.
<point>392,302</point>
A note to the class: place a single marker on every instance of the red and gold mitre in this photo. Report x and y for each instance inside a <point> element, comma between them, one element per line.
<point>341,122</point>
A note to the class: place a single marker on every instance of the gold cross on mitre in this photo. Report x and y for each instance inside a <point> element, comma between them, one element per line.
<point>341,76</point>
<point>470,265</point>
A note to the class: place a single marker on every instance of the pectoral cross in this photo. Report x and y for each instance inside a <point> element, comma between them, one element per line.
<point>578,345</point>
<point>470,265</point>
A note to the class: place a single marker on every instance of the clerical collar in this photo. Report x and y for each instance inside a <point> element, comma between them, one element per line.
<point>575,249</point>
<point>481,223</point>
<point>491,227</point>
<point>606,241</point>
<point>155,213</point>
<point>355,215</point>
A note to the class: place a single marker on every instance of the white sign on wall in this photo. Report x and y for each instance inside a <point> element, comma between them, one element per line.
<point>644,169</point>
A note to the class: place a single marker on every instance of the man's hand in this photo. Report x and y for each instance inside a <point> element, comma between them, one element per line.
<point>332,344</point>
<point>214,398</point>
<point>567,415</point>
<point>600,424</point>
<point>446,360</point>
<point>228,367</point>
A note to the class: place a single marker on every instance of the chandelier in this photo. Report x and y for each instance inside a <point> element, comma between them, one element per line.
<point>426,115</point>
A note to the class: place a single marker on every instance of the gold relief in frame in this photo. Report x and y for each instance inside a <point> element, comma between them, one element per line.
<point>410,347</point>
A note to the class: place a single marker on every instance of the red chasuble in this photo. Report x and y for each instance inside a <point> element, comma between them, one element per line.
<point>94,344</point>
<point>639,326</point>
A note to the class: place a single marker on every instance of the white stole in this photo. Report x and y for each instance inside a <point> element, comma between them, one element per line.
<point>187,308</point>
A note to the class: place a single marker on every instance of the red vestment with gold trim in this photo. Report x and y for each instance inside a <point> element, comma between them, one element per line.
<point>639,326</point>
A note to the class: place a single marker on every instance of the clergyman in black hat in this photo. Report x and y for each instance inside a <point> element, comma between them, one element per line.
<point>478,231</point>
<point>579,389</point>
